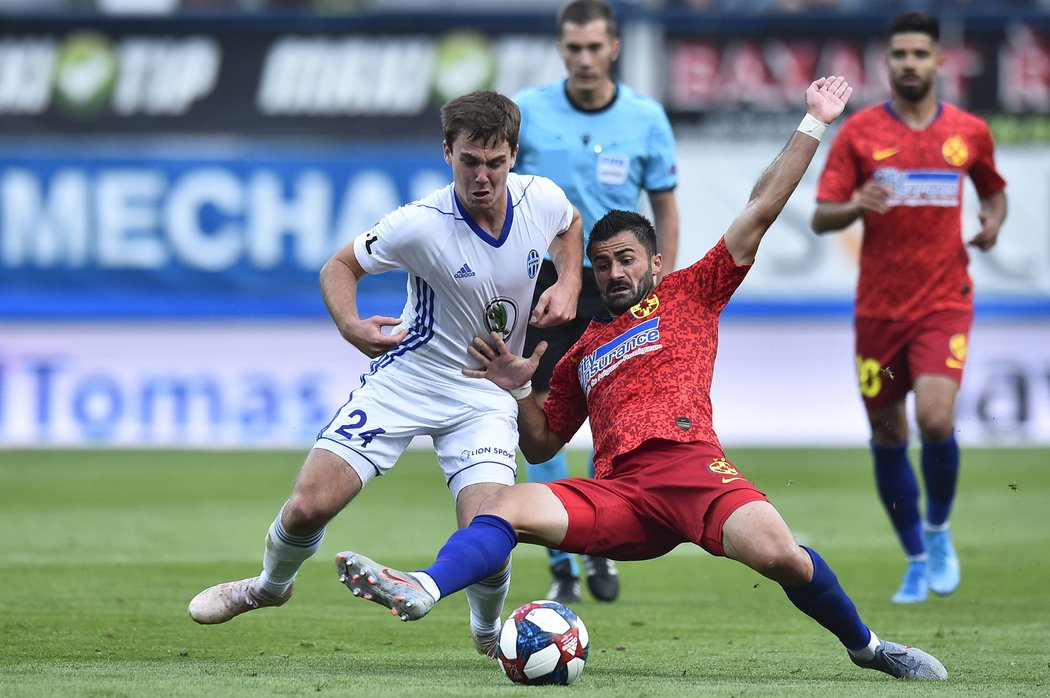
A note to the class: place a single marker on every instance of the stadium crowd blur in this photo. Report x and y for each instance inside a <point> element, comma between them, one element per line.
<point>733,7</point>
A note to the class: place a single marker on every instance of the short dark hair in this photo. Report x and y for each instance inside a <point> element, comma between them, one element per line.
<point>615,222</point>
<point>585,11</point>
<point>914,22</point>
<point>484,116</point>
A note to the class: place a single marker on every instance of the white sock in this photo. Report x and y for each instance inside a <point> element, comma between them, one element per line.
<point>428,584</point>
<point>486,598</point>
<point>935,529</point>
<point>866,654</point>
<point>284,555</point>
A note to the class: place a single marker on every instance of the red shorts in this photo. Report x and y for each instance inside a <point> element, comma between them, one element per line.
<point>659,495</point>
<point>891,354</point>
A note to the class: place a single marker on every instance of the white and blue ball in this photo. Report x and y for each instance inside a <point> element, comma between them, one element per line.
<point>543,642</point>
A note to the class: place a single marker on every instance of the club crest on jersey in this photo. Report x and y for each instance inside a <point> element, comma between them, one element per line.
<point>500,316</point>
<point>532,264</point>
<point>646,308</point>
<point>955,151</point>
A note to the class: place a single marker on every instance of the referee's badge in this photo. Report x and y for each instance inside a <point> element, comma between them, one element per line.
<point>612,168</point>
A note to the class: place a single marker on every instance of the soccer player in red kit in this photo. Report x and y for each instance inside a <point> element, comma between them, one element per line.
<point>901,166</point>
<point>643,376</point>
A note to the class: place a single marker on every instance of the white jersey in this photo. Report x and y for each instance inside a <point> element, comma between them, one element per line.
<point>463,283</point>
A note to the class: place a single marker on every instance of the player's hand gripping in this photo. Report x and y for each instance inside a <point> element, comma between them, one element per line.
<point>368,336</point>
<point>499,365</point>
<point>827,97</point>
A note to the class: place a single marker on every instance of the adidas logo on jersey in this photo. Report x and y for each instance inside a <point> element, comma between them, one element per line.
<point>464,272</point>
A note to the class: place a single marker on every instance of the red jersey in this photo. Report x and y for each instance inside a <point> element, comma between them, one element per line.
<point>646,374</point>
<point>913,260</point>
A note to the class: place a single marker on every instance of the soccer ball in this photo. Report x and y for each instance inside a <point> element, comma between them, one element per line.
<point>543,642</point>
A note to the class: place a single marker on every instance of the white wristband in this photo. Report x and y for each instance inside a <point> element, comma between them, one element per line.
<point>522,391</point>
<point>812,126</point>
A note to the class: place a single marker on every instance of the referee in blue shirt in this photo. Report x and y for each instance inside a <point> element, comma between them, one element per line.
<point>603,144</point>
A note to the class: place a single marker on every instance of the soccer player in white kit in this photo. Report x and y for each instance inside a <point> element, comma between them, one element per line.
<point>472,251</point>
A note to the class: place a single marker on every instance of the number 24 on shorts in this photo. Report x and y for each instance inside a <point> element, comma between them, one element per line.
<point>348,430</point>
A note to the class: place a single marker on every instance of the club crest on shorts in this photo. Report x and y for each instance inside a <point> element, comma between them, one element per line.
<point>729,473</point>
<point>500,316</point>
<point>646,308</point>
<point>957,347</point>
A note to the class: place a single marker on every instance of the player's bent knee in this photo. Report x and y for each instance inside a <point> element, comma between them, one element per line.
<point>304,515</point>
<point>536,514</point>
<point>936,428</point>
<point>793,566</point>
<point>784,564</point>
<point>756,535</point>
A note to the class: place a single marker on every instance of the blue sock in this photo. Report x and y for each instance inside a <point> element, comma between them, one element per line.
<point>472,553</point>
<point>940,470</point>
<point>824,600</point>
<point>899,491</point>
<point>556,468</point>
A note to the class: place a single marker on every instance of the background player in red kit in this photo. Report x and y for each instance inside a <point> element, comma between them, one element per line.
<point>901,167</point>
<point>661,476</point>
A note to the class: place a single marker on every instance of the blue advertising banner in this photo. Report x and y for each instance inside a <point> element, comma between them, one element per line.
<point>224,230</point>
<point>215,229</point>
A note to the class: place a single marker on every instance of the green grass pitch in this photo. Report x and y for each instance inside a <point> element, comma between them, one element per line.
<point>102,550</point>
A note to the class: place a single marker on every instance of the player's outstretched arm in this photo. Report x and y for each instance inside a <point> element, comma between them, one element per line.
<point>339,277</point>
<point>825,100</point>
<point>513,373</point>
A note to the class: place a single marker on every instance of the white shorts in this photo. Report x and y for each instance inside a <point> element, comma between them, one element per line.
<point>475,432</point>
